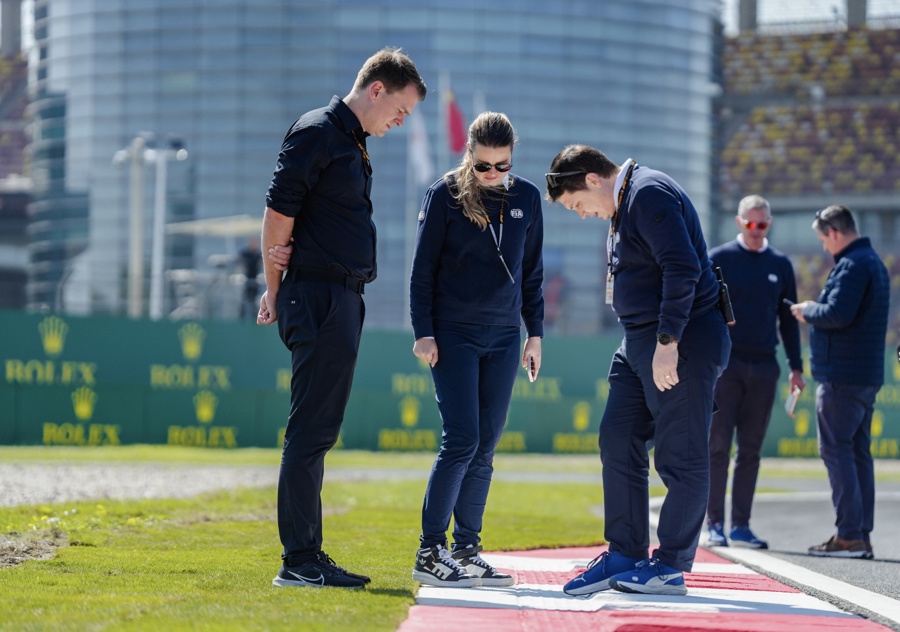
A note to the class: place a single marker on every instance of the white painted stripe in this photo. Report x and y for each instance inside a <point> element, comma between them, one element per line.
<point>525,563</point>
<point>703,600</point>
<point>560,565</point>
<point>874,602</point>
<point>721,569</point>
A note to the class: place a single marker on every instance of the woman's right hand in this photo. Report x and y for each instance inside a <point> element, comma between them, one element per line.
<point>426,349</point>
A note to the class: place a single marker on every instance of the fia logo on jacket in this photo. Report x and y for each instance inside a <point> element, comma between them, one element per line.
<point>516,213</point>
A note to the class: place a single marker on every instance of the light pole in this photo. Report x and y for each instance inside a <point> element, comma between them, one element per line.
<point>161,157</point>
<point>135,153</point>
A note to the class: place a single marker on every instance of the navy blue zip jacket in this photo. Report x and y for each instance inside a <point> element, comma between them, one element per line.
<point>662,271</point>
<point>849,319</point>
<point>457,274</point>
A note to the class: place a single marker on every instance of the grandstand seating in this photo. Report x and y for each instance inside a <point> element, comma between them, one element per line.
<point>796,149</point>
<point>843,63</point>
<point>814,113</point>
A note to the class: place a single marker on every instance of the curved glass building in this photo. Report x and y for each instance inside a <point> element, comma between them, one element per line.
<point>228,77</point>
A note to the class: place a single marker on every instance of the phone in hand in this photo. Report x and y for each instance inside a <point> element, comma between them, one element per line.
<point>787,301</point>
<point>791,402</point>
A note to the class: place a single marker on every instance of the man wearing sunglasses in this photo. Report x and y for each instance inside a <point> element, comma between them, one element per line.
<point>762,286</point>
<point>846,354</point>
<point>661,285</point>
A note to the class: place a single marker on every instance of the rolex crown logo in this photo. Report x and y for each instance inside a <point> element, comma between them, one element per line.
<point>409,411</point>
<point>205,403</point>
<point>83,400</point>
<point>191,336</point>
<point>53,334</point>
<point>801,423</point>
<point>581,416</point>
<point>877,424</point>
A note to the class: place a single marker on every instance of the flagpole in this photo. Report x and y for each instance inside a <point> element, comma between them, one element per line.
<point>443,152</point>
<point>478,103</point>
<point>409,226</point>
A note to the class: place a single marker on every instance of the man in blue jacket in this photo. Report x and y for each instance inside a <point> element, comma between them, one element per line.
<point>662,287</point>
<point>847,344</point>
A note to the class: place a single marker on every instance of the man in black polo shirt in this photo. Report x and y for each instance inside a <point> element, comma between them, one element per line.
<point>319,197</point>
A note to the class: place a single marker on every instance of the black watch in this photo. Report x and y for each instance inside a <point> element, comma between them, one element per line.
<point>665,338</point>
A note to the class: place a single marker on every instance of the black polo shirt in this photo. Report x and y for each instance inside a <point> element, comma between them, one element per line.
<point>323,180</point>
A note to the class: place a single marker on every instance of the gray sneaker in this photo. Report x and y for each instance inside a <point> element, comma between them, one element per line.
<point>475,565</point>
<point>435,566</point>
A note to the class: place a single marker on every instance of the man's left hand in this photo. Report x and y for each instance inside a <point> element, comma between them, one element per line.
<point>665,366</point>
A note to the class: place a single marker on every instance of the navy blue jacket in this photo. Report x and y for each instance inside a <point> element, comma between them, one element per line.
<point>662,271</point>
<point>849,319</point>
<point>758,281</point>
<point>323,182</point>
<point>457,274</point>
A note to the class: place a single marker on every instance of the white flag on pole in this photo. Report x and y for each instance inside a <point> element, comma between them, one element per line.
<point>420,150</point>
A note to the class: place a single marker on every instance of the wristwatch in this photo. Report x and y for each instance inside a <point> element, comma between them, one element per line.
<point>665,338</point>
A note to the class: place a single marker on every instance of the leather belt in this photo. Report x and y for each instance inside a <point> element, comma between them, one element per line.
<point>327,276</point>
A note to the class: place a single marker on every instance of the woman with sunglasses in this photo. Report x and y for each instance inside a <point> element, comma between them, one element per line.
<point>476,276</point>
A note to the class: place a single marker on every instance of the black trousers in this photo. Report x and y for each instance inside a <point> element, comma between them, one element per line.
<point>320,323</point>
<point>745,394</point>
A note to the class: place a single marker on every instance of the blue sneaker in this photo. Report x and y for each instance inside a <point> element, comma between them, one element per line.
<point>717,535</point>
<point>743,536</point>
<point>600,569</point>
<point>650,577</point>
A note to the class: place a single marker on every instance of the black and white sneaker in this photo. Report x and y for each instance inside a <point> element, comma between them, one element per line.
<point>326,559</point>
<point>319,572</point>
<point>435,566</point>
<point>475,565</point>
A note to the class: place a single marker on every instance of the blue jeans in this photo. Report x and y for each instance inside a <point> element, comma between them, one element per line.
<point>473,380</point>
<point>639,416</point>
<point>844,415</point>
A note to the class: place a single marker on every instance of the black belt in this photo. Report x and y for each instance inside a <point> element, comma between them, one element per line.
<point>327,276</point>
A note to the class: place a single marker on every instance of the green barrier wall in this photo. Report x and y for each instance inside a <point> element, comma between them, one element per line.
<point>110,381</point>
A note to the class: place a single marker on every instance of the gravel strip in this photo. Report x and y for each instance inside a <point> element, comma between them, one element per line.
<point>36,483</point>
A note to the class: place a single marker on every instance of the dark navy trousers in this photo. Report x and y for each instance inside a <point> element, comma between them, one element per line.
<point>320,323</point>
<point>675,423</point>
<point>844,413</point>
<point>473,381</point>
<point>745,394</point>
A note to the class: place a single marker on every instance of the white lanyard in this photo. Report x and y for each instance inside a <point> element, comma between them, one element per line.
<point>499,241</point>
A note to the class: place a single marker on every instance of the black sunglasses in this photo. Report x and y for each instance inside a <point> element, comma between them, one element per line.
<point>822,221</point>
<point>554,178</point>
<point>484,167</point>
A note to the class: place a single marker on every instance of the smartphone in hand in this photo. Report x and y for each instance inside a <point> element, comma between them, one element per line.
<point>791,402</point>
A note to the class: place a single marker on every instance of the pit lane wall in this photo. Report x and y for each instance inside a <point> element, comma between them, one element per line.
<point>109,381</point>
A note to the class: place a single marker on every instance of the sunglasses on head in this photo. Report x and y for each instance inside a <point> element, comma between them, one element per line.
<point>484,167</point>
<point>824,222</point>
<point>754,225</point>
<point>554,178</point>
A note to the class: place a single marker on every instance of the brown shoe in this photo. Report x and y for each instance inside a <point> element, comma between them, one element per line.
<point>838,547</point>
<point>869,554</point>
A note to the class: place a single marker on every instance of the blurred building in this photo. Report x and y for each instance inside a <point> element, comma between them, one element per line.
<point>229,77</point>
<point>15,185</point>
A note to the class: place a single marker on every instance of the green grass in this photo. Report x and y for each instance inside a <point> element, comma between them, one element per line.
<point>208,562</point>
